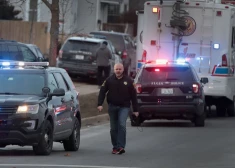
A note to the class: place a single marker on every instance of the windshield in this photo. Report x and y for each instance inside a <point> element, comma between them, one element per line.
<point>21,83</point>
<point>76,45</point>
<point>167,74</point>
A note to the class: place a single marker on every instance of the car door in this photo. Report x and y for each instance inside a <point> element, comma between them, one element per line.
<point>56,104</point>
<point>67,103</point>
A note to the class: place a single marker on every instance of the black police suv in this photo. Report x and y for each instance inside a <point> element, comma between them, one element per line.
<point>38,105</point>
<point>16,51</point>
<point>169,90</point>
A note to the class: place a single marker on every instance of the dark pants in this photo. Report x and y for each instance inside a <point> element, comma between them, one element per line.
<point>118,117</point>
<point>101,69</point>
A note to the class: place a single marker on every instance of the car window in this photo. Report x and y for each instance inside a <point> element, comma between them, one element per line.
<point>111,50</point>
<point>129,42</point>
<point>4,54</point>
<point>152,74</point>
<point>39,52</point>
<point>28,56</point>
<point>52,82</point>
<point>29,83</point>
<point>117,40</point>
<point>77,45</point>
<point>61,82</point>
<point>10,52</point>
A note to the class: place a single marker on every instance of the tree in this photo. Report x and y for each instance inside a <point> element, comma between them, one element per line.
<point>7,11</point>
<point>54,30</point>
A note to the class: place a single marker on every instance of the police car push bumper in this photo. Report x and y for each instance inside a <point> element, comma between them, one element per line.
<point>23,127</point>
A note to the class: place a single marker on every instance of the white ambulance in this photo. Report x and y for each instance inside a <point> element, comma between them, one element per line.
<point>199,32</point>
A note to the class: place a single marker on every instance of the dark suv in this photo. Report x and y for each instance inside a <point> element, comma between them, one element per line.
<point>125,48</point>
<point>77,56</point>
<point>13,50</point>
<point>170,90</point>
<point>38,105</point>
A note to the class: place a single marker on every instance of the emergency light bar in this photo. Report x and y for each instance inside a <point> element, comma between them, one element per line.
<point>22,64</point>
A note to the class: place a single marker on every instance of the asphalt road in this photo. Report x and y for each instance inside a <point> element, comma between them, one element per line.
<point>165,144</point>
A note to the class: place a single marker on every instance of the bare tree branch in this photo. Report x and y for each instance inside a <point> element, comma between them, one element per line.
<point>47,4</point>
<point>91,6</point>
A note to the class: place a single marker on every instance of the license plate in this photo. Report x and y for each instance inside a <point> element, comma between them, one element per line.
<point>167,91</point>
<point>80,57</point>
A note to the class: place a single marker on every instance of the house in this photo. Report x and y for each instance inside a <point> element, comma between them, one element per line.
<point>76,16</point>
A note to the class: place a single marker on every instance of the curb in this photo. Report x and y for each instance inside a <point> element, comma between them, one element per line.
<point>90,121</point>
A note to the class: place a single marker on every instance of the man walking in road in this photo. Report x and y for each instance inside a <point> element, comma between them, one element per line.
<point>121,92</point>
<point>103,55</point>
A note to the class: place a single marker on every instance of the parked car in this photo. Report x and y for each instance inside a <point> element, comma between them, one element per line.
<point>125,48</point>
<point>77,56</point>
<point>13,50</point>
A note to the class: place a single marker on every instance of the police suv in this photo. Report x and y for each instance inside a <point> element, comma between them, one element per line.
<point>38,105</point>
<point>170,90</point>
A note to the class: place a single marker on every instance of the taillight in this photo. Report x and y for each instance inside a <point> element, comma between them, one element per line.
<point>124,54</point>
<point>195,88</point>
<point>144,56</point>
<point>60,53</point>
<point>224,60</point>
<point>138,88</point>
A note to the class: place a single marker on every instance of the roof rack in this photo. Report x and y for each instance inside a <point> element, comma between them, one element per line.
<point>20,64</point>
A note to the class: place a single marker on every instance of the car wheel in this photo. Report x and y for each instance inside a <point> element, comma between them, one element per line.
<point>231,109</point>
<point>45,144</point>
<point>73,143</point>
<point>200,120</point>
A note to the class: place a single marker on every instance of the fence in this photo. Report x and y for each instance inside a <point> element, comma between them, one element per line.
<point>26,32</point>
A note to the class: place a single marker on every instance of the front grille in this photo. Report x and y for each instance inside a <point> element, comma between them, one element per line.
<point>8,109</point>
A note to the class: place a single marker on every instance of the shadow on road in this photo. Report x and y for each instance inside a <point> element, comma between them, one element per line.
<point>157,123</point>
<point>84,80</point>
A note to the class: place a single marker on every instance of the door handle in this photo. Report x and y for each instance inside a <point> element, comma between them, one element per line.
<point>62,99</point>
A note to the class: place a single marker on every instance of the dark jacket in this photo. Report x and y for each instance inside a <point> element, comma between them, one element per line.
<point>103,55</point>
<point>121,92</point>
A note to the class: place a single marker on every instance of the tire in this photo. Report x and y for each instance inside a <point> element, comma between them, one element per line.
<point>221,111</point>
<point>73,143</point>
<point>200,120</point>
<point>45,144</point>
<point>231,109</point>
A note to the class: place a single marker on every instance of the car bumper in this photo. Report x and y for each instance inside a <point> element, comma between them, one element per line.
<point>177,111</point>
<point>20,130</point>
<point>79,69</point>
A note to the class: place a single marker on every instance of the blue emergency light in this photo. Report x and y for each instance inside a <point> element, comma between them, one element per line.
<point>20,64</point>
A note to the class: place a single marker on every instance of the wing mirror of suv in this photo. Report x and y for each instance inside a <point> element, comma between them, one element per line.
<point>58,92</point>
<point>204,80</point>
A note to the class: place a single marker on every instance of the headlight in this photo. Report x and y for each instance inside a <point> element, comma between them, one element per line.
<point>33,109</point>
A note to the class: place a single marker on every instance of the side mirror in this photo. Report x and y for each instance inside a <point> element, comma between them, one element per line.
<point>58,92</point>
<point>204,80</point>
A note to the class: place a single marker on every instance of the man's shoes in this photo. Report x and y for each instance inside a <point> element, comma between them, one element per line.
<point>115,151</point>
<point>121,151</point>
